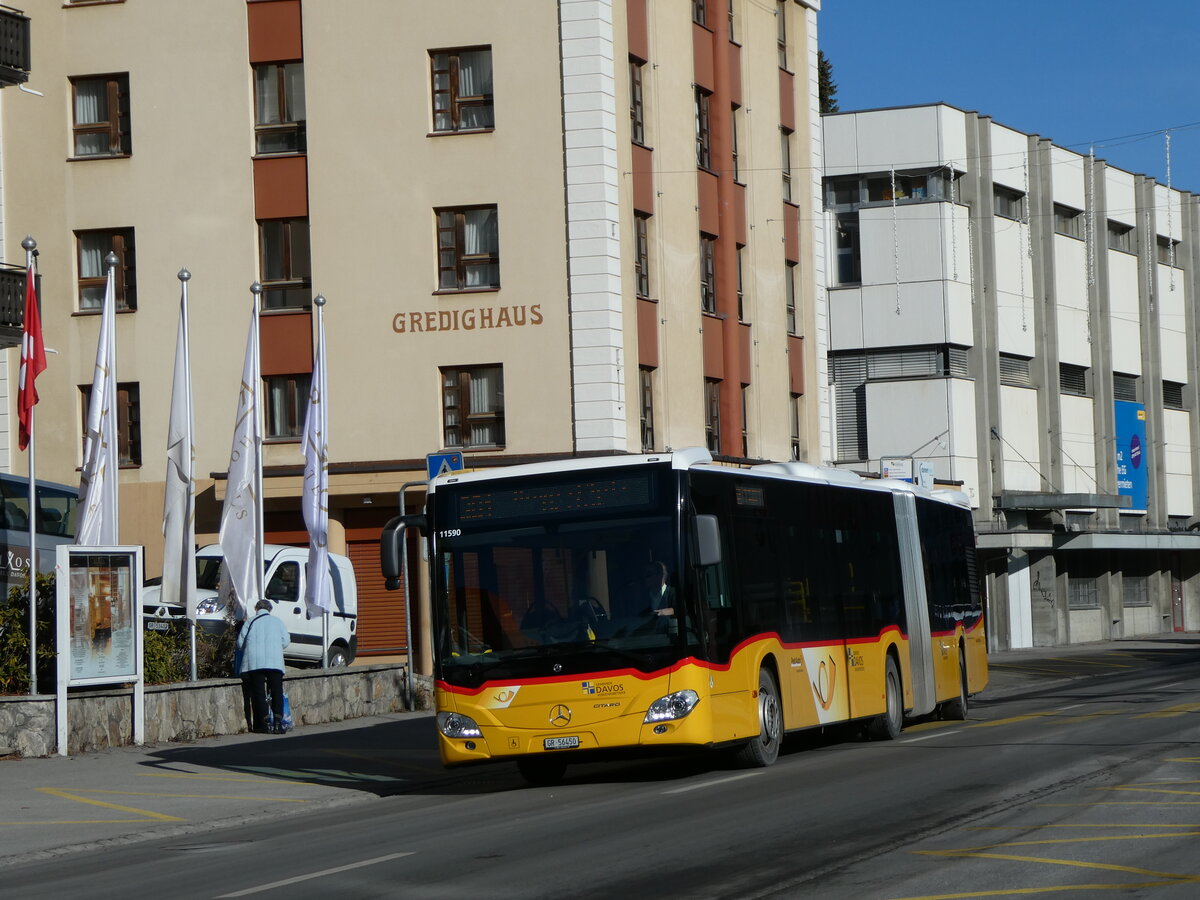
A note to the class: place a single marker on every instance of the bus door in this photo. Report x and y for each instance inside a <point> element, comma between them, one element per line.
<point>922,677</point>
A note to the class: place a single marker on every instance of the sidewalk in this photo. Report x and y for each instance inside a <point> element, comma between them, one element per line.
<point>56,804</point>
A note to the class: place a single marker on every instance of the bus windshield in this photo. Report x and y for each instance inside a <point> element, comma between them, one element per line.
<point>561,575</point>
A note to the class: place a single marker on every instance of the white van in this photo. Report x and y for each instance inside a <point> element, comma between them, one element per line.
<point>286,571</point>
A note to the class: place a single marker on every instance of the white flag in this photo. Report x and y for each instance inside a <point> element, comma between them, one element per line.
<point>316,483</point>
<point>98,481</point>
<point>240,535</point>
<point>179,502</point>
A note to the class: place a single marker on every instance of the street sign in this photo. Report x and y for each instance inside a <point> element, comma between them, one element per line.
<point>900,467</point>
<point>441,463</point>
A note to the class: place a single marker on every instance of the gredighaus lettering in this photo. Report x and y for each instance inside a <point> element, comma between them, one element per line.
<point>467,319</point>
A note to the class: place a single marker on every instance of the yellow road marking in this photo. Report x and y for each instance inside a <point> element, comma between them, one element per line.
<point>1012,719</point>
<point>243,780</point>
<point>200,796</point>
<point>1171,711</point>
<point>1071,840</point>
<point>1125,803</point>
<point>1148,790</point>
<point>1085,825</point>
<point>404,767</point>
<point>928,726</point>
<point>163,817</point>
<point>77,822</point>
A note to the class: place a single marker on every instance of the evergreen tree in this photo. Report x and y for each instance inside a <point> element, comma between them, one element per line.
<point>827,88</point>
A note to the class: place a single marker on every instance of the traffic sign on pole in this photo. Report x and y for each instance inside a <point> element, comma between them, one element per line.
<point>441,463</point>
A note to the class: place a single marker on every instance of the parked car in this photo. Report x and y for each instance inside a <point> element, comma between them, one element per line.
<point>285,574</point>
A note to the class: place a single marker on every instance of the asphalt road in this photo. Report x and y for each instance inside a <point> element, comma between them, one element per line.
<point>1077,771</point>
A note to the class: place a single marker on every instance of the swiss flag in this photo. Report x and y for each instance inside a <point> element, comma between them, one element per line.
<point>33,361</point>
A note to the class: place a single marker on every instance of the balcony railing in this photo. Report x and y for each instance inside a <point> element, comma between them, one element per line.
<point>14,47</point>
<point>12,305</point>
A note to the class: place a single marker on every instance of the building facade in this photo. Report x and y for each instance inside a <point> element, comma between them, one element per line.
<point>1020,319</point>
<point>542,229</point>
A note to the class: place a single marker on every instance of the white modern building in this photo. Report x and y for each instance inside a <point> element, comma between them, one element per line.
<point>1019,319</point>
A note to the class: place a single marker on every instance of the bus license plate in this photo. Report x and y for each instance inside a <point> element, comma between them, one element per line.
<point>560,743</point>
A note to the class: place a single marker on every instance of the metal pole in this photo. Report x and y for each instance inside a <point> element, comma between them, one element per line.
<point>256,289</point>
<point>30,245</point>
<point>184,277</point>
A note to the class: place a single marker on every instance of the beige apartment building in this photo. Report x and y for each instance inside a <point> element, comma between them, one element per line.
<point>543,229</point>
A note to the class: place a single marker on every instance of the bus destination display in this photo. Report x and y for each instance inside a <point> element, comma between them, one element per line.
<point>627,492</point>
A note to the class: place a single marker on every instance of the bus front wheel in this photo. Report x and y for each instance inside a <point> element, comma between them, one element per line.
<point>764,750</point>
<point>887,726</point>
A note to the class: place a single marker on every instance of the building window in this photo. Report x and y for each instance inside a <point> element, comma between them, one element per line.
<point>468,249</point>
<point>1082,593</point>
<point>703,131</point>
<point>462,90</point>
<point>732,22</point>
<point>1120,237</point>
<point>794,408</point>
<point>637,107</point>
<point>101,124</point>
<point>734,116</point>
<point>785,151</point>
<point>849,260</point>
<point>129,421</point>
<point>1167,251</point>
<point>286,405</point>
<point>93,276</point>
<point>789,294</point>
<point>1014,370</point>
<point>741,290</point>
<point>708,273</point>
<point>473,407</point>
<point>1068,221</point>
<point>1009,203</point>
<point>745,421</point>
<point>1073,379</point>
<point>712,414</point>
<point>1135,589</point>
<point>641,227</point>
<point>286,263</point>
<point>781,32</point>
<point>1172,392</point>
<point>646,383</point>
<point>700,12</point>
<point>279,108</point>
<point>1125,387</point>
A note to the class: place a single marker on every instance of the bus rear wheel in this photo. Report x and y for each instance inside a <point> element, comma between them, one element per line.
<point>956,709</point>
<point>540,771</point>
<point>887,727</point>
<point>764,750</point>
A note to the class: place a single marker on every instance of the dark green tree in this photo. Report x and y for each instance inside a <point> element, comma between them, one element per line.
<point>827,88</point>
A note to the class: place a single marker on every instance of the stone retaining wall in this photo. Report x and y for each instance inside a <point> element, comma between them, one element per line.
<point>184,712</point>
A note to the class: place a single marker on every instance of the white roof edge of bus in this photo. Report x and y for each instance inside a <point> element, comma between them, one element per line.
<point>679,459</point>
<point>809,471</point>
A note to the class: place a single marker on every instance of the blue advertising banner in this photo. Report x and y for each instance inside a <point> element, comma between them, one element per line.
<point>1130,420</point>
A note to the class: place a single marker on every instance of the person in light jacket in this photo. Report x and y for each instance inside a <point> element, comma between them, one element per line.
<point>260,643</point>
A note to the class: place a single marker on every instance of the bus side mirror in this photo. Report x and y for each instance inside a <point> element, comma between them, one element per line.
<point>391,547</point>
<point>706,538</point>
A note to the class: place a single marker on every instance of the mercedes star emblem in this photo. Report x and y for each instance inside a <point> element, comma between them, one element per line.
<point>560,716</point>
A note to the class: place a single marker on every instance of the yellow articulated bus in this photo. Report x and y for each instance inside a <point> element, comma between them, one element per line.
<point>656,603</point>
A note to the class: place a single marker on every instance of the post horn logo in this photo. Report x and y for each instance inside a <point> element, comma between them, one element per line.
<point>560,716</point>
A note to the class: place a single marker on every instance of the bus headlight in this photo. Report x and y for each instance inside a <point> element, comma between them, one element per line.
<point>456,725</point>
<point>672,706</point>
<point>210,605</point>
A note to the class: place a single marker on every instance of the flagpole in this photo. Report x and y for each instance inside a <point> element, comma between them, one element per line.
<point>259,591</point>
<point>319,301</point>
<point>30,246</point>
<point>110,312</point>
<point>184,277</point>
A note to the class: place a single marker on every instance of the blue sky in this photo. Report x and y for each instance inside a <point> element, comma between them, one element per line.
<point>1079,72</point>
